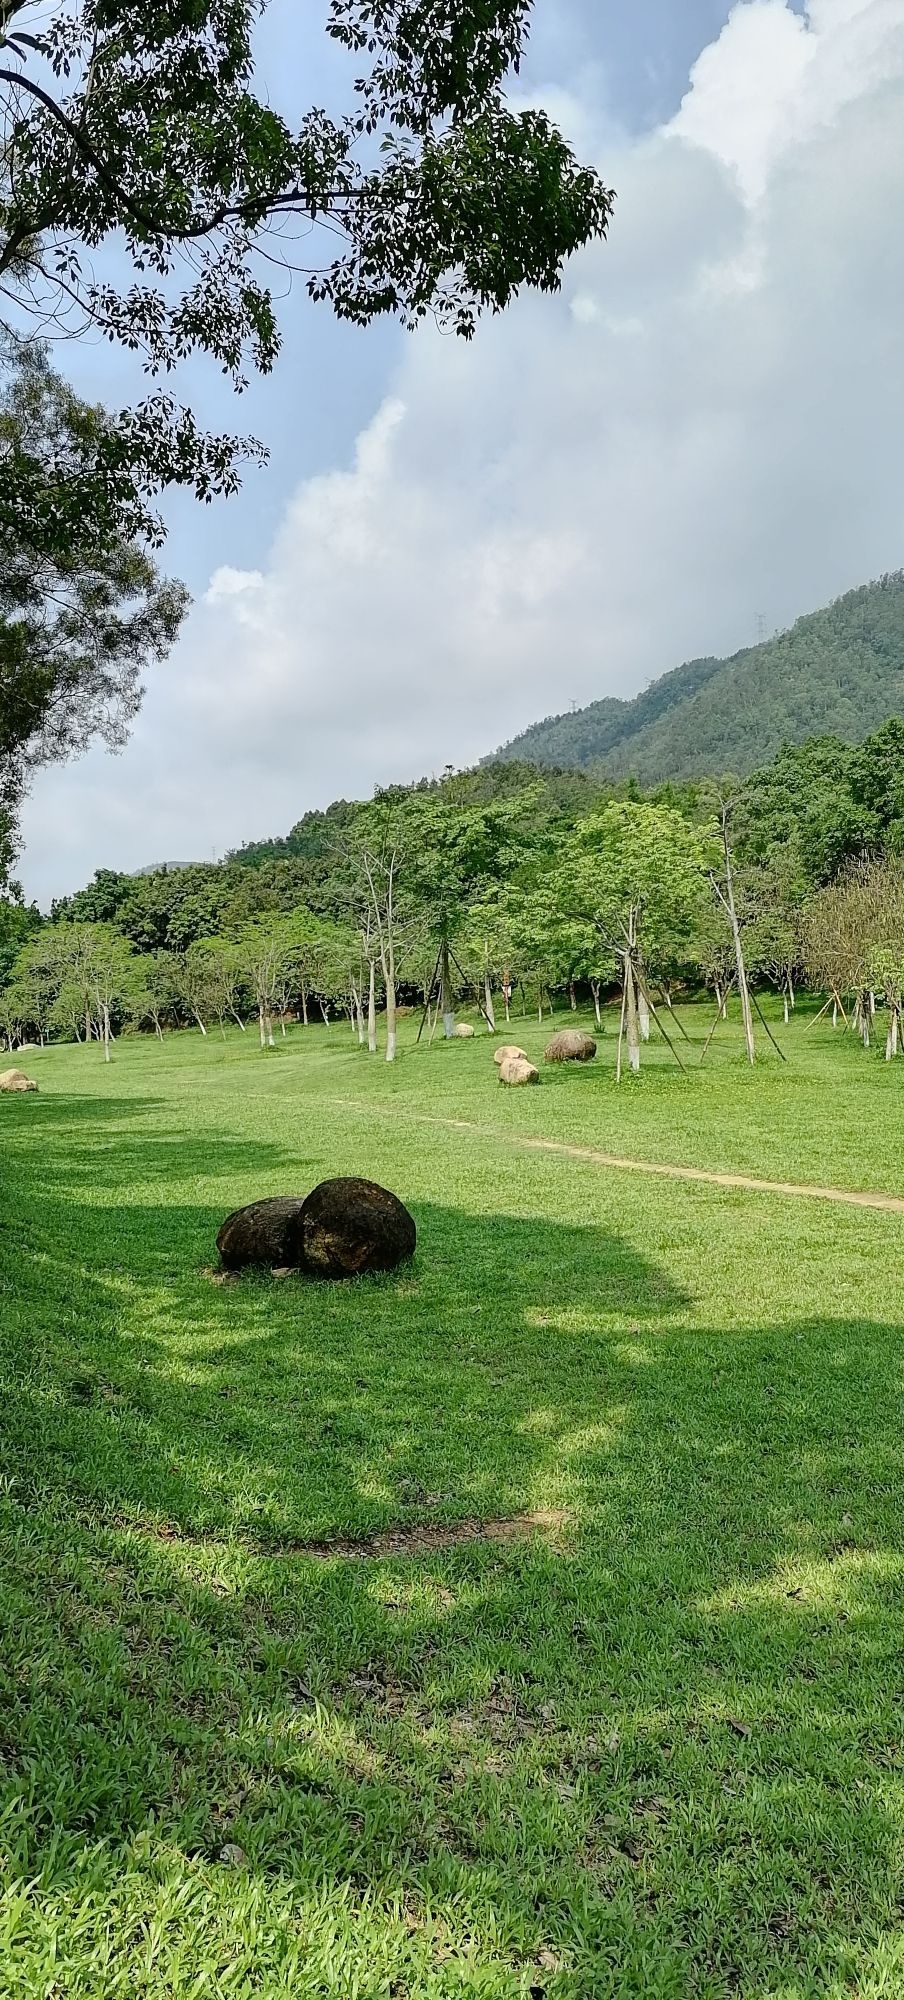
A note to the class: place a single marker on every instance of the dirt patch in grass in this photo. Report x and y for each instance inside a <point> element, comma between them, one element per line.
<point>417,1538</point>
<point>422,1538</point>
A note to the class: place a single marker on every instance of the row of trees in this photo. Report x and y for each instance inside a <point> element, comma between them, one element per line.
<point>438,893</point>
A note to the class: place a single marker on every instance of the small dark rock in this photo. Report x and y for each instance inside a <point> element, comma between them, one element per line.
<point>352,1226</point>
<point>266,1232</point>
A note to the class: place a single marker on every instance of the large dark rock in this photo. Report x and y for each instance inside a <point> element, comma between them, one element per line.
<point>267,1232</point>
<point>352,1226</point>
<point>571,1046</point>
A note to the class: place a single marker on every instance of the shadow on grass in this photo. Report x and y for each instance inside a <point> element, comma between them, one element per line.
<point>664,1761</point>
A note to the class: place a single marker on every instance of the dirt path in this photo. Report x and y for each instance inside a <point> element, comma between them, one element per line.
<point>746,1183</point>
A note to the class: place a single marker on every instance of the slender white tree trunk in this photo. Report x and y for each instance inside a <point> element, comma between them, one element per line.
<point>304,1003</point>
<point>507,995</point>
<point>106,1022</point>
<point>446,1001</point>
<point>199,1020</point>
<point>372,1011</point>
<point>488,1000</point>
<point>643,1013</point>
<point>740,967</point>
<point>632,1018</point>
<point>390,1016</point>
<point>787,1010</point>
<point>595,990</point>
<point>238,1018</point>
<point>359,1017</point>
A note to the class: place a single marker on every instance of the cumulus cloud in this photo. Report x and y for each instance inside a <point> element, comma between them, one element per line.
<point>707,427</point>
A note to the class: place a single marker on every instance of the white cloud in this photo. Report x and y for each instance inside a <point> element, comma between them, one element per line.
<point>708,425</point>
<point>775,79</point>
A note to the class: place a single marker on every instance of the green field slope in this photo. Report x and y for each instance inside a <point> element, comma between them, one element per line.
<point>652,1753</point>
<point>837,672</point>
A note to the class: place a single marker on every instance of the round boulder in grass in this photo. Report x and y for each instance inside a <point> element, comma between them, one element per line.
<point>464,1031</point>
<point>509,1054</point>
<point>266,1232</point>
<point>517,1070</point>
<point>15,1079</point>
<point>571,1046</point>
<point>349,1227</point>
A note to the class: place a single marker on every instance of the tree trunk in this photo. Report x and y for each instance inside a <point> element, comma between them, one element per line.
<point>106,1022</point>
<point>199,1020</point>
<point>740,967</point>
<point>238,1018</point>
<point>447,1003</point>
<point>834,1013</point>
<point>632,1019</point>
<point>507,995</point>
<point>304,1003</point>
<point>325,1012</point>
<point>572,996</point>
<point>390,1017</point>
<point>488,1002</point>
<point>359,1016</point>
<point>643,1013</point>
<point>787,1009</point>
<point>595,990</point>
<point>372,1011</point>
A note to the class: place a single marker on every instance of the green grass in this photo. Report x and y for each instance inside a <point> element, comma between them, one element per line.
<point>662,1757</point>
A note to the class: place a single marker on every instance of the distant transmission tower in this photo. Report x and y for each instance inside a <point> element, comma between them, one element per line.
<point>760,628</point>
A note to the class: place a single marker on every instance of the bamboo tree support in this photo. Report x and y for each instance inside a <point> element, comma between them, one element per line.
<point>720,1016</point>
<point>663,995</point>
<point>621,1035</point>
<point>430,992</point>
<point>779,1052</point>
<point>727,899</point>
<point>490,1024</point>
<point>834,1002</point>
<point>666,1038</point>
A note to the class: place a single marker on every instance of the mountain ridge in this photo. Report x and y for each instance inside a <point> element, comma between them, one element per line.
<point>836,671</point>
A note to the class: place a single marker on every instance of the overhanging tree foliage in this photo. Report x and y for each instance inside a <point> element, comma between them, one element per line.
<point>83,610</point>
<point>145,127</point>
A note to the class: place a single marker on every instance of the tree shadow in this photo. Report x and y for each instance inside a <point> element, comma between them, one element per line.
<point>663,1758</point>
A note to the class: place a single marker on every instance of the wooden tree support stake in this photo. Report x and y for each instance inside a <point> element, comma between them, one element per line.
<point>720,1016</point>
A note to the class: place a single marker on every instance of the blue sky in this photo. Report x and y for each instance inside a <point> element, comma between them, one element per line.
<point>448,542</point>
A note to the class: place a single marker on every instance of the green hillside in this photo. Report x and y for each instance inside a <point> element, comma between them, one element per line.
<point>837,672</point>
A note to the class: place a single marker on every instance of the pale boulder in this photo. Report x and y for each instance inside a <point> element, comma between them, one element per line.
<point>516,1071</point>
<point>509,1054</point>
<point>15,1079</point>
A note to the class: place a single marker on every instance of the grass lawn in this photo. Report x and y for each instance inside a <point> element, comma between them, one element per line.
<point>657,1751</point>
